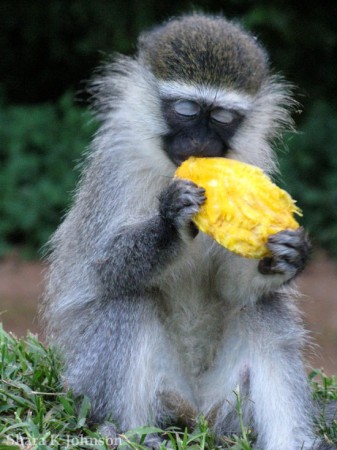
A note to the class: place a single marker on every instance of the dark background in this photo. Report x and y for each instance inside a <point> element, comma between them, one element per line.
<point>49,49</point>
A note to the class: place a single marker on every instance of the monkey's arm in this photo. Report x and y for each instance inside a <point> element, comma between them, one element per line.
<point>138,252</point>
<point>246,280</point>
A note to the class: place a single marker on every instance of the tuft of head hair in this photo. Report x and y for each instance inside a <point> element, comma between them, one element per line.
<point>207,50</point>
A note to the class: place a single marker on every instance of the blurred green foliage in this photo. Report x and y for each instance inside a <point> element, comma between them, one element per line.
<point>39,147</point>
<point>49,48</point>
<point>309,171</point>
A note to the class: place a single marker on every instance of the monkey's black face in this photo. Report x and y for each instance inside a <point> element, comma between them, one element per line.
<point>198,129</point>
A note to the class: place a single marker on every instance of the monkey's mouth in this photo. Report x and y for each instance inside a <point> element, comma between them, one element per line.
<point>179,149</point>
<point>179,159</point>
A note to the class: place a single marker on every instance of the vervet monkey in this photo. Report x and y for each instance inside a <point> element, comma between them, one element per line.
<point>157,322</point>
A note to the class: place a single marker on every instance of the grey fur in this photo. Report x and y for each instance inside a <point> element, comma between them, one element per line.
<point>202,49</point>
<point>154,322</point>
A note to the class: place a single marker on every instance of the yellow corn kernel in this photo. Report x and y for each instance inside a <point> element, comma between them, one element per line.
<point>243,206</point>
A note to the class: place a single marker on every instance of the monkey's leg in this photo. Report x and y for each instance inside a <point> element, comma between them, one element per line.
<point>123,362</point>
<point>279,389</point>
<point>261,354</point>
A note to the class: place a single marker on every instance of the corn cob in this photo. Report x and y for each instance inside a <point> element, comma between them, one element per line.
<point>243,207</point>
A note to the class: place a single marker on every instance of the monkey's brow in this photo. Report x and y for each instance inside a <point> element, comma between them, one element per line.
<point>227,98</point>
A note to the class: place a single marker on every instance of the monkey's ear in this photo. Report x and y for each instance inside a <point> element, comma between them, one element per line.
<point>108,85</point>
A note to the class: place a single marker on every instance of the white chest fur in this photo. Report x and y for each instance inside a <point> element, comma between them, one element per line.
<point>194,313</point>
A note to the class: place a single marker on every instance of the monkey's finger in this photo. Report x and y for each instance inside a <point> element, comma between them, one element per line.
<point>291,238</point>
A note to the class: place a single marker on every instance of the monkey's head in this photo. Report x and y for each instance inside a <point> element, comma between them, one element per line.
<point>198,86</point>
<point>216,94</point>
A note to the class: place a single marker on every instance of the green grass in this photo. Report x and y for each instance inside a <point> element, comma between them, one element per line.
<point>35,412</point>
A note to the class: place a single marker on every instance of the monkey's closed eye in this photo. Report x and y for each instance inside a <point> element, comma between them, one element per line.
<point>186,108</point>
<point>223,116</point>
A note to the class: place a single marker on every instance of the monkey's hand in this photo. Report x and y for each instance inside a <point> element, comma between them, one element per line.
<point>179,202</point>
<point>290,251</point>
